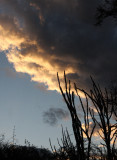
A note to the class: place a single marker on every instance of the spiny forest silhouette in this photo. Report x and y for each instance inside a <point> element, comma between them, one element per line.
<point>99,118</point>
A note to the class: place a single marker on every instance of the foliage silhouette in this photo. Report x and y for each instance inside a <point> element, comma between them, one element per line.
<point>66,148</point>
<point>16,152</point>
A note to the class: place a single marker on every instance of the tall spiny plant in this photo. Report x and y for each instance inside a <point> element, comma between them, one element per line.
<point>78,129</point>
<point>105,104</point>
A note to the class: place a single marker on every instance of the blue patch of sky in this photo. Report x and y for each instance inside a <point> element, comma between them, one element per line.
<point>22,104</point>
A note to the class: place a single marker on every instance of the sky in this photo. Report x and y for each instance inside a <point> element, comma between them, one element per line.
<point>39,38</point>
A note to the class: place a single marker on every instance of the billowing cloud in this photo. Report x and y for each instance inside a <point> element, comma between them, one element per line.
<point>53,115</point>
<point>41,38</point>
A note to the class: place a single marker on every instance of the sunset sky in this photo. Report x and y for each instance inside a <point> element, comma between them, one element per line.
<point>39,38</point>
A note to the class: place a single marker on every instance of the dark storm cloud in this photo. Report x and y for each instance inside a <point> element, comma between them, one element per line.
<point>65,33</point>
<point>53,115</point>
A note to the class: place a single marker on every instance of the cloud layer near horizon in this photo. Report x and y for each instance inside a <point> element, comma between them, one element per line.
<point>41,38</point>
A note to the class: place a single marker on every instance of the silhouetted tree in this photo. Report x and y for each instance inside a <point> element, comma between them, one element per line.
<point>82,134</point>
<point>103,114</point>
<point>105,105</point>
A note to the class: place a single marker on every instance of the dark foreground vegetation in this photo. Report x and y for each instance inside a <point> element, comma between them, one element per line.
<point>14,152</point>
